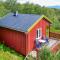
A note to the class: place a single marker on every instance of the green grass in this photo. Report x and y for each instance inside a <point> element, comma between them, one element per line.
<point>8,54</point>
<point>54,30</point>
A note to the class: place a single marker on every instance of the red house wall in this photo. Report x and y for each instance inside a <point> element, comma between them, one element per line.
<point>32,34</point>
<point>0,36</point>
<point>14,39</point>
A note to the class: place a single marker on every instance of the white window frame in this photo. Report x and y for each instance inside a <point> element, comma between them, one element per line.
<point>39,33</point>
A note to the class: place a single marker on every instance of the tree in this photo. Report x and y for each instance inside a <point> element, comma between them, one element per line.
<point>3,10</point>
<point>11,5</point>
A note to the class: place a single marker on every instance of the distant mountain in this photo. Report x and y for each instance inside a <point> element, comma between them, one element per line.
<point>57,7</point>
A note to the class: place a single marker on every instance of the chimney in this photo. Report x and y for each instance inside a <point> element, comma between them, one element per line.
<point>15,13</point>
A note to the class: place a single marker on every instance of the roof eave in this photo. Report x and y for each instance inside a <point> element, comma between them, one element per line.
<point>43,16</point>
<point>13,29</point>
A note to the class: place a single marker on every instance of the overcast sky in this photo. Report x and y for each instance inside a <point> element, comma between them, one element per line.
<point>42,2</point>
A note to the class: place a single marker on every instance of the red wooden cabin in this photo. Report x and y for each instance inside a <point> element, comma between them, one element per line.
<point>20,31</point>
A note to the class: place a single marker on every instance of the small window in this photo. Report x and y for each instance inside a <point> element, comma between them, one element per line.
<point>39,33</point>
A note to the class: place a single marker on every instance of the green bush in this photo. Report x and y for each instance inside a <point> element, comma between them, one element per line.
<point>56,25</point>
<point>46,54</point>
<point>57,56</point>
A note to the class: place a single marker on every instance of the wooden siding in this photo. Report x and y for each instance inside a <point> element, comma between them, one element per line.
<point>14,39</point>
<point>32,34</point>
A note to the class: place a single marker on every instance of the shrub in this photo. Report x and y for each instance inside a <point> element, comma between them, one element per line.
<point>45,54</point>
<point>57,56</point>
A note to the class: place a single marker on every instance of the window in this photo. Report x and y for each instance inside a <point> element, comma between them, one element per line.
<point>39,33</point>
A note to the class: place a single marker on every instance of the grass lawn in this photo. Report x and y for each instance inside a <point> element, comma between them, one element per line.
<point>9,54</point>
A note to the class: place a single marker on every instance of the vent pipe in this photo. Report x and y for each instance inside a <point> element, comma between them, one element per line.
<point>15,13</point>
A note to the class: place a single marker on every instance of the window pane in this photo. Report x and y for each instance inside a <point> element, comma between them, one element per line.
<point>37,34</point>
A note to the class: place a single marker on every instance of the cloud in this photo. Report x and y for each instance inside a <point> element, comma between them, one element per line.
<point>22,1</point>
<point>42,2</point>
<point>45,2</point>
<point>52,3</point>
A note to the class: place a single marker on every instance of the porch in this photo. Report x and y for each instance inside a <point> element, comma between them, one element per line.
<point>53,45</point>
